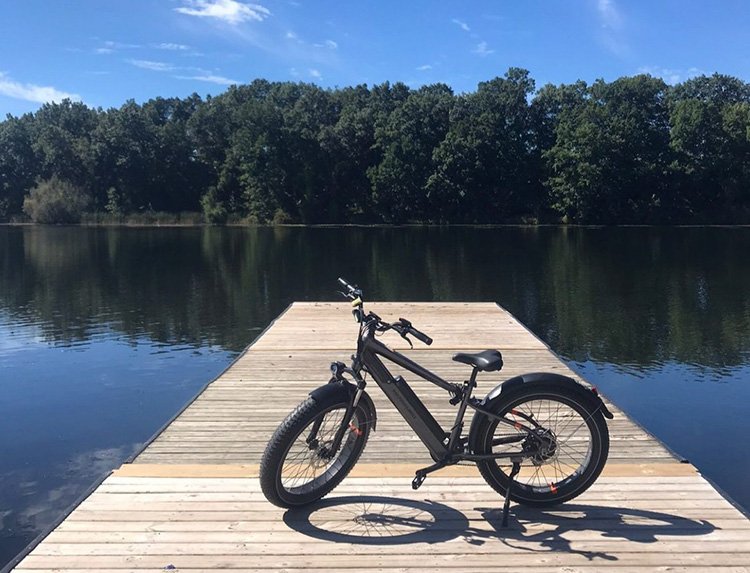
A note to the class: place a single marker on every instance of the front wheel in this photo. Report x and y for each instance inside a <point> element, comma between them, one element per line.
<point>570,444</point>
<point>298,465</point>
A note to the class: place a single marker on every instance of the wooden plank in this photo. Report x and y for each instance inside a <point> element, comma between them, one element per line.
<point>241,566</point>
<point>554,561</point>
<point>379,470</point>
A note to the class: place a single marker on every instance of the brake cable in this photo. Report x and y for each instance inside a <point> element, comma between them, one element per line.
<point>397,326</point>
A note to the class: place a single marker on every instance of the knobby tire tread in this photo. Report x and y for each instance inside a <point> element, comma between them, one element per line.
<point>282,439</point>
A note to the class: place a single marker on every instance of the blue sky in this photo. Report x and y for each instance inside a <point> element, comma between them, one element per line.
<point>105,52</point>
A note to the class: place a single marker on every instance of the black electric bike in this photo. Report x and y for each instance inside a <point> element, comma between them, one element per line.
<point>548,422</point>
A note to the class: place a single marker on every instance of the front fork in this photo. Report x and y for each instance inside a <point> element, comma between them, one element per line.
<point>338,369</point>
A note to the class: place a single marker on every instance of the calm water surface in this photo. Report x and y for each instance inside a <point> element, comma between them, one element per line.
<point>106,333</point>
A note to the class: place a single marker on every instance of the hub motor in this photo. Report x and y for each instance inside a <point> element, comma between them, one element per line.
<point>543,444</point>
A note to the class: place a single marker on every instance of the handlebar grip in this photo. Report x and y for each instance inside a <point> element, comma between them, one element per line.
<point>345,284</point>
<point>421,336</point>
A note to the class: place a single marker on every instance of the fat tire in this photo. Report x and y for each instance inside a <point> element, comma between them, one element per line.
<point>284,437</point>
<point>498,479</point>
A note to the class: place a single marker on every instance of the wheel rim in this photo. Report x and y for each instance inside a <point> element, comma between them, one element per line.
<point>306,468</point>
<point>568,434</point>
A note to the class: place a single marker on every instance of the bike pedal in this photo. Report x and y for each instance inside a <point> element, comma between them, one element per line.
<point>418,481</point>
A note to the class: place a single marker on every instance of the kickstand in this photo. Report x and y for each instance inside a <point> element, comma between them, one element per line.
<point>506,505</point>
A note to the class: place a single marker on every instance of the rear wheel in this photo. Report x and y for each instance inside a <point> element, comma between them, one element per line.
<point>570,444</point>
<point>299,465</point>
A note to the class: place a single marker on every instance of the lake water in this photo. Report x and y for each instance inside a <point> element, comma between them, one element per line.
<point>106,333</point>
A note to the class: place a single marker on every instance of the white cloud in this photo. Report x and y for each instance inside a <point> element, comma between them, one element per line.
<point>110,46</point>
<point>31,92</point>
<point>151,65</point>
<point>229,11</point>
<point>330,44</point>
<point>482,49</point>
<point>315,74</point>
<point>669,75</point>
<point>424,68</point>
<point>461,24</point>
<point>609,13</point>
<point>612,28</point>
<point>214,79</point>
<point>172,47</point>
<point>120,45</point>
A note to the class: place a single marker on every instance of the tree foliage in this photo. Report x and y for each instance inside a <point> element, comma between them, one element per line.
<point>634,150</point>
<point>54,201</point>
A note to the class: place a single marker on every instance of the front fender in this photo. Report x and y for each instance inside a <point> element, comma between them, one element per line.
<point>345,391</point>
<point>589,395</point>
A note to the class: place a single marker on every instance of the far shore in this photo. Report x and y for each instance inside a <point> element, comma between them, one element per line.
<point>178,225</point>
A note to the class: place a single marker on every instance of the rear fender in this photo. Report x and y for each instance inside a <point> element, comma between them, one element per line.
<point>341,390</point>
<point>589,395</point>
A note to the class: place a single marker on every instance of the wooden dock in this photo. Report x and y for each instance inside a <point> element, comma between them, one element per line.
<point>191,500</point>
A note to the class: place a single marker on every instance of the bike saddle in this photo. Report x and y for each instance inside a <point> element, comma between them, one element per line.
<point>487,360</point>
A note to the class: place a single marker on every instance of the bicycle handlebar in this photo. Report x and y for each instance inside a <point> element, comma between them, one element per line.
<point>420,336</point>
<point>409,329</point>
<point>352,292</point>
<point>403,326</point>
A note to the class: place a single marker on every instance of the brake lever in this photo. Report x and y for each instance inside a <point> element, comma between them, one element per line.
<point>403,335</point>
<point>348,296</point>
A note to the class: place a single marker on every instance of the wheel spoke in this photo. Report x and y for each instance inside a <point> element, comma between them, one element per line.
<point>561,448</point>
<point>304,468</point>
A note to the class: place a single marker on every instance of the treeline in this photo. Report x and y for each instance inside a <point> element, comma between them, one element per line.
<point>634,150</point>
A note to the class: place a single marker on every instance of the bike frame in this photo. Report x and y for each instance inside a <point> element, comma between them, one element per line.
<point>444,447</point>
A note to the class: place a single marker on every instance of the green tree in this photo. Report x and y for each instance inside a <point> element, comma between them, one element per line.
<point>546,109</point>
<point>308,197</point>
<point>56,201</point>
<point>406,143</point>
<point>610,159</point>
<point>124,145</point>
<point>180,177</point>
<point>717,88</point>
<point>62,141</point>
<point>482,167</point>
<point>255,164</point>
<point>18,164</point>
<point>708,117</point>
<point>349,147</point>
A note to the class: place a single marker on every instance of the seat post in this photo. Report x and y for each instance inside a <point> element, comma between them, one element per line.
<point>473,378</point>
<point>458,425</point>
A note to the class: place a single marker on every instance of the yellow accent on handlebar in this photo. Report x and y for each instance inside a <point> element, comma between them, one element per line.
<point>357,302</point>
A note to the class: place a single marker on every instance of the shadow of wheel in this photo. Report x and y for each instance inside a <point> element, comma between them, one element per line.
<point>377,520</point>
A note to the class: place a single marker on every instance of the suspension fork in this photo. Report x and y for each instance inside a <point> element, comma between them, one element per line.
<point>347,420</point>
<point>338,369</point>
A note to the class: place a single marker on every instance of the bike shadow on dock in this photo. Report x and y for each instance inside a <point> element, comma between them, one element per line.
<point>384,520</point>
